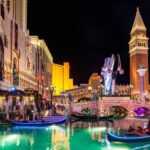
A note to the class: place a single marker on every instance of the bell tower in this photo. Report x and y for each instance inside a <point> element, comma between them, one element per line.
<point>138,51</point>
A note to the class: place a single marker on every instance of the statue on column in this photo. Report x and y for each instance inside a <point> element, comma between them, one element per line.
<point>110,74</point>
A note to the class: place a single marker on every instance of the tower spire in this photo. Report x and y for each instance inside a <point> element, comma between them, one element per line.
<point>138,50</point>
<point>138,22</point>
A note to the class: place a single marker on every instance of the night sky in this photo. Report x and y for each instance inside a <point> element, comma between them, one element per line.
<point>86,32</point>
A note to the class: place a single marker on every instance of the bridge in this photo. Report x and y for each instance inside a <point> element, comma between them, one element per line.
<point>106,103</point>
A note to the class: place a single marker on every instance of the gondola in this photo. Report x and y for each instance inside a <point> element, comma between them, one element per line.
<point>42,122</point>
<point>83,117</point>
<point>128,138</point>
<point>5,124</point>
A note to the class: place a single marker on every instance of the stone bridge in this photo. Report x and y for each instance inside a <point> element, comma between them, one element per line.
<point>106,103</point>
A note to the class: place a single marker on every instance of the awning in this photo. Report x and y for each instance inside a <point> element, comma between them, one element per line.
<point>16,92</point>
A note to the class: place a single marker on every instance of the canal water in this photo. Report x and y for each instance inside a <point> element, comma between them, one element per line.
<point>71,136</point>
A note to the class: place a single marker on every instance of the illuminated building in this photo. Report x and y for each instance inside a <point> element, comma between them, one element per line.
<point>138,50</point>
<point>61,78</point>
<point>19,67</point>
<point>43,68</point>
<point>62,101</point>
<point>94,80</point>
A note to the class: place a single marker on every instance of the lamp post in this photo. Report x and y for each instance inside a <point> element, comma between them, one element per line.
<point>89,90</point>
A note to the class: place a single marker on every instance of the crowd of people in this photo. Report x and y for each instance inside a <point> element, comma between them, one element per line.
<point>19,110</point>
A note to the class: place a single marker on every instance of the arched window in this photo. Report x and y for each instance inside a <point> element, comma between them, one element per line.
<point>15,72</point>
<point>28,63</point>
<point>5,41</point>
<point>16,36</point>
<point>8,5</point>
<point>2,10</point>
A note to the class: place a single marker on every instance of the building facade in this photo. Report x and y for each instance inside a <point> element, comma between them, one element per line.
<point>138,51</point>
<point>61,80</point>
<point>43,68</point>
<point>95,81</point>
<point>24,63</point>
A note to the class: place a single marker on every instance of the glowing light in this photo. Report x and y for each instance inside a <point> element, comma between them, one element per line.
<point>99,129</point>
<point>10,139</point>
<point>54,127</point>
<point>18,142</point>
<point>12,88</point>
<point>47,148</point>
<point>141,147</point>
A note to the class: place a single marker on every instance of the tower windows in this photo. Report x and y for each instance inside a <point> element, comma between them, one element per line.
<point>15,72</point>
<point>141,44</point>
<point>16,36</point>
<point>1,59</point>
<point>5,41</point>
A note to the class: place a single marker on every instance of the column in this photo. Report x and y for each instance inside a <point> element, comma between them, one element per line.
<point>141,71</point>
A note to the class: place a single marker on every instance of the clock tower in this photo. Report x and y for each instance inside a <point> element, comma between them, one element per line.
<point>138,51</point>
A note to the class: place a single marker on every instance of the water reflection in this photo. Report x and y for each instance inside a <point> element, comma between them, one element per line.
<point>71,136</point>
<point>60,139</point>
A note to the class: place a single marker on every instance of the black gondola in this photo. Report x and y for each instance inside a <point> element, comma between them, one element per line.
<point>92,117</point>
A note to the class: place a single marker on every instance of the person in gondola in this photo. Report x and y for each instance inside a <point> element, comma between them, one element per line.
<point>147,130</point>
<point>140,131</point>
<point>131,130</point>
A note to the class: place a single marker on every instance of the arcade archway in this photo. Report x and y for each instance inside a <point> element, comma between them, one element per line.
<point>118,111</point>
<point>84,99</point>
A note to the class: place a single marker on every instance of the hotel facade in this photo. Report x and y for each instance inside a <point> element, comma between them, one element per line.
<point>25,60</point>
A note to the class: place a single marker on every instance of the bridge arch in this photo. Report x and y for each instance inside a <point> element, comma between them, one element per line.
<point>118,111</point>
<point>84,99</point>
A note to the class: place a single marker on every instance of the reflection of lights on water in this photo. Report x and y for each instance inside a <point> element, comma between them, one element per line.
<point>101,129</point>
<point>141,147</point>
<point>32,141</point>
<point>18,142</point>
<point>10,139</point>
<point>14,139</point>
<point>47,148</point>
<point>3,144</point>
<point>109,146</point>
<point>54,127</point>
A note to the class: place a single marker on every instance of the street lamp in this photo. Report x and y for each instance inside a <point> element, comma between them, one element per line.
<point>89,90</point>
